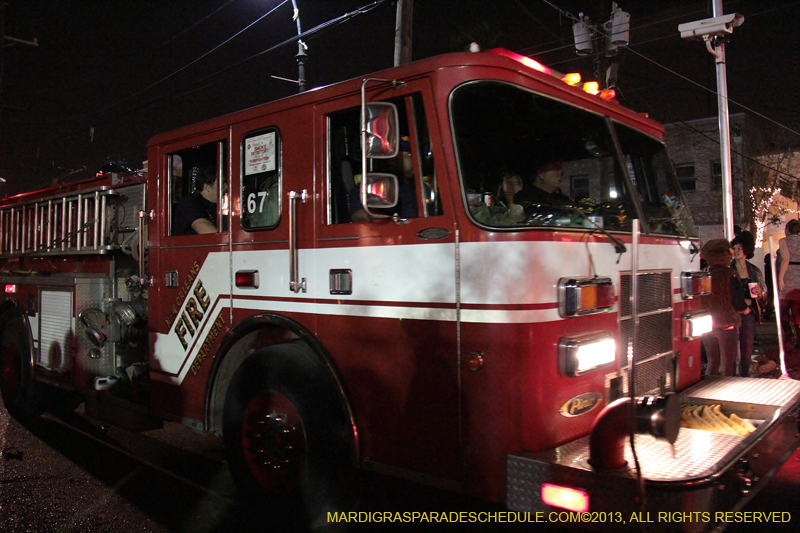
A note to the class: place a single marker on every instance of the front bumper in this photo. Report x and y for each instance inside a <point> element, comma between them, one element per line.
<point>706,473</point>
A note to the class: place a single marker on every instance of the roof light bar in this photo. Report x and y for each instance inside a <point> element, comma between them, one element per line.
<point>527,61</point>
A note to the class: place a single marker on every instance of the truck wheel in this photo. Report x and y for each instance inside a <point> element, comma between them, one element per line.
<point>15,371</point>
<point>287,436</point>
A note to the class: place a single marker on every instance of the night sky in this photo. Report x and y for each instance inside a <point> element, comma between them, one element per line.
<point>109,74</point>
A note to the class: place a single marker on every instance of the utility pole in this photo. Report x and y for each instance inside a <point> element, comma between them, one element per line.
<point>713,31</point>
<point>301,51</point>
<point>402,32</point>
<point>603,40</point>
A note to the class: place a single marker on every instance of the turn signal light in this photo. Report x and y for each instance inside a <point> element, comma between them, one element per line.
<point>583,296</point>
<point>694,284</point>
<point>565,498</point>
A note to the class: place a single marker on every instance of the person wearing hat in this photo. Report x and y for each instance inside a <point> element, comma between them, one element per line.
<point>754,291</point>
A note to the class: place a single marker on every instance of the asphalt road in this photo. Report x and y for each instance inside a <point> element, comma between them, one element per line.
<point>69,474</point>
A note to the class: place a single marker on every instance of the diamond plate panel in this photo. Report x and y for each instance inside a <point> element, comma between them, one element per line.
<point>781,392</point>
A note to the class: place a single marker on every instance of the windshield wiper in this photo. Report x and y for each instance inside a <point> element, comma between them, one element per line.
<point>618,245</point>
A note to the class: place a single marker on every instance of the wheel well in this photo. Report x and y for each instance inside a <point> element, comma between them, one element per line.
<point>257,333</point>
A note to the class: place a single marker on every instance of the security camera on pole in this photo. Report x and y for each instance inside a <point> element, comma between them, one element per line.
<point>603,40</point>
<point>713,31</point>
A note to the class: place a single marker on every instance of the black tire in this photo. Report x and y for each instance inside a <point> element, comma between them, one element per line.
<point>287,434</point>
<point>16,385</point>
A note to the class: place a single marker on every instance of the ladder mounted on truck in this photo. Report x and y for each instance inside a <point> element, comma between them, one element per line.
<point>78,223</point>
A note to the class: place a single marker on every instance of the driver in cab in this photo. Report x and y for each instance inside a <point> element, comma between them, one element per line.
<point>545,189</point>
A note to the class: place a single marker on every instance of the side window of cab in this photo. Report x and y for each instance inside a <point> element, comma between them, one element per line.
<point>412,166</point>
<point>198,189</point>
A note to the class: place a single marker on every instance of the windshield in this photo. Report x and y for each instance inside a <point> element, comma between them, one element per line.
<point>526,160</point>
<point>656,186</point>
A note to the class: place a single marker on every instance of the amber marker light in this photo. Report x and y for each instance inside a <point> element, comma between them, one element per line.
<point>573,500</point>
<point>573,78</point>
<point>585,295</point>
<point>591,87</point>
<point>694,284</point>
<point>608,94</point>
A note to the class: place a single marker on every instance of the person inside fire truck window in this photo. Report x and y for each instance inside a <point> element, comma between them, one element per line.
<point>545,188</point>
<point>197,213</point>
<point>402,167</point>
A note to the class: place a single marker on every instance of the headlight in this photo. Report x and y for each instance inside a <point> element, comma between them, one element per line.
<point>584,353</point>
<point>583,296</point>
<point>694,284</point>
<point>695,324</point>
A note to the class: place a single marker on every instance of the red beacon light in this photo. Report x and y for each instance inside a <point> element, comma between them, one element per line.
<point>527,61</point>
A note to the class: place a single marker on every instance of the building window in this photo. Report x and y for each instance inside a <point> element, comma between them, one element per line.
<point>716,174</point>
<point>685,175</point>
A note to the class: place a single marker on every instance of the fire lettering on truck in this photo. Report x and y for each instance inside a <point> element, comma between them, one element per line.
<point>581,404</point>
<point>219,323</point>
<point>192,315</point>
<point>173,312</point>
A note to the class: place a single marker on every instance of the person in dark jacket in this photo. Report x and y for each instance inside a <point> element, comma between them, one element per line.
<point>754,291</point>
<point>726,304</point>
<point>545,188</point>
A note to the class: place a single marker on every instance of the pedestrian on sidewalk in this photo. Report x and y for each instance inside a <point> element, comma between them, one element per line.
<point>754,291</point>
<point>726,304</point>
<point>789,277</point>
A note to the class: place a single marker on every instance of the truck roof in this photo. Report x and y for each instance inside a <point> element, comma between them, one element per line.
<point>500,59</point>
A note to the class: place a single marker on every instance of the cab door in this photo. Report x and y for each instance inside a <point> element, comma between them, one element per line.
<point>190,271</point>
<point>389,284</point>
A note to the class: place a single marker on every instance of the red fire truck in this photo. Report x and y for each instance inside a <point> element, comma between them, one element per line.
<point>390,286</point>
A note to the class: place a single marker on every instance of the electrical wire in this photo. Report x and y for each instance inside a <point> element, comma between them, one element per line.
<point>189,64</point>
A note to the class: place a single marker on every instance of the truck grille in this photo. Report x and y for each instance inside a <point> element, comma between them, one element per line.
<point>653,350</point>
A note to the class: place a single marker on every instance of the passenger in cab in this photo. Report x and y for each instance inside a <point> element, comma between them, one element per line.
<point>197,213</point>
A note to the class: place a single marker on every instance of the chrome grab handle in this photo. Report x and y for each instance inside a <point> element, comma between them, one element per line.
<point>294,274</point>
<point>144,217</point>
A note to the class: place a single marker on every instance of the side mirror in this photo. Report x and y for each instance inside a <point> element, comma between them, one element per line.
<point>381,124</point>
<point>382,191</point>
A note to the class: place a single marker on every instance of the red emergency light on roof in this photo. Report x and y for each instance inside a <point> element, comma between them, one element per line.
<point>527,61</point>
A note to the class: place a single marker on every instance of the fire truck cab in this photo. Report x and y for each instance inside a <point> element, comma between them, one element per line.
<point>443,271</point>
